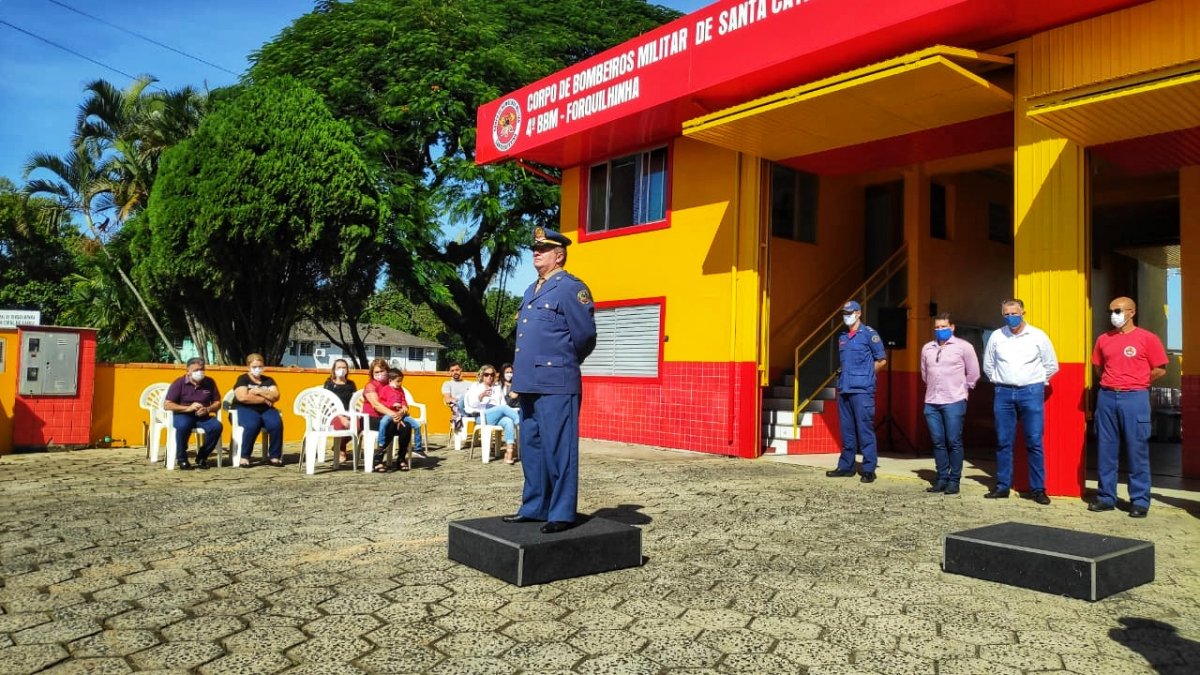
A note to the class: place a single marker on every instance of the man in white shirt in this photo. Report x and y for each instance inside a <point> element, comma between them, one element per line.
<point>1019,360</point>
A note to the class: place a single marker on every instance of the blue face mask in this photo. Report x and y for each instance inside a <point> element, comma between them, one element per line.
<point>942,334</point>
<point>1013,321</point>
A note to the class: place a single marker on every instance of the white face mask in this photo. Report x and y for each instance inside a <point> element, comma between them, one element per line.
<point>340,372</point>
<point>849,319</point>
<point>256,371</point>
<point>508,376</point>
<point>1118,320</point>
<point>197,375</point>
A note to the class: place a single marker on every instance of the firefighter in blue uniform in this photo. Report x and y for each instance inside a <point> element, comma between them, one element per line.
<point>556,330</point>
<point>861,352</point>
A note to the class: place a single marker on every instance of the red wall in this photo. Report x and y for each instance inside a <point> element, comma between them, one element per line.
<point>698,406</point>
<point>39,421</point>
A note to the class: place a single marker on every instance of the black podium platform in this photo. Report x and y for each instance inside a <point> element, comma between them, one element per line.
<point>1050,559</point>
<point>521,555</point>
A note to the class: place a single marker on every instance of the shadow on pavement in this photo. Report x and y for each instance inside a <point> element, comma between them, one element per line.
<point>629,514</point>
<point>1159,643</point>
<point>1192,506</point>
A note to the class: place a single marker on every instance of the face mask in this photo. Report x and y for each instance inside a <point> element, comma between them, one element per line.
<point>1118,320</point>
<point>1013,321</point>
<point>508,376</point>
<point>197,375</point>
<point>381,377</point>
<point>942,334</point>
<point>340,372</point>
<point>849,319</point>
<point>256,371</point>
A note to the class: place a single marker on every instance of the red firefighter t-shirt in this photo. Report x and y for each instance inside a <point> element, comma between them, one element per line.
<point>1125,359</point>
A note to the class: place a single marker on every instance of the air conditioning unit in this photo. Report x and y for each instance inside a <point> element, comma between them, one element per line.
<point>396,362</point>
<point>319,353</point>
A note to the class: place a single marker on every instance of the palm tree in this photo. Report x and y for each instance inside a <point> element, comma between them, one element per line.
<point>78,187</point>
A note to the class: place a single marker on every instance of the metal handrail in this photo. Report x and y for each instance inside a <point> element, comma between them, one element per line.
<point>829,289</point>
<point>889,269</point>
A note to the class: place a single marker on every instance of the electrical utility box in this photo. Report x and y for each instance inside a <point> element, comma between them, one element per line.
<point>49,364</point>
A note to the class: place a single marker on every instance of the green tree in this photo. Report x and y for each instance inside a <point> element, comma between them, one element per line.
<point>408,76</point>
<point>35,253</point>
<point>268,205</point>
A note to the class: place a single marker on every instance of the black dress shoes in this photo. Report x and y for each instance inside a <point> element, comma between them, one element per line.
<point>1138,511</point>
<point>183,466</point>
<point>518,518</point>
<point>556,526</point>
<point>1098,506</point>
<point>867,477</point>
<point>839,473</point>
<point>1040,497</point>
<point>951,488</point>
<point>997,494</point>
<point>940,487</point>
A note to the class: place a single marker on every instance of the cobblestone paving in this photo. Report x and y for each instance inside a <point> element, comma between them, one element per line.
<point>109,565</point>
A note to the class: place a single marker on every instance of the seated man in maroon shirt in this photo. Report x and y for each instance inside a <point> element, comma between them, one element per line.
<point>194,398</point>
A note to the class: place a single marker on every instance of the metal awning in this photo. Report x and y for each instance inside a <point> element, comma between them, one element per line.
<point>928,89</point>
<point>1152,103</point>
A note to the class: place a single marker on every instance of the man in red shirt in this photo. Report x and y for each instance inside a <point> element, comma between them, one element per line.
<point>1128,359</point>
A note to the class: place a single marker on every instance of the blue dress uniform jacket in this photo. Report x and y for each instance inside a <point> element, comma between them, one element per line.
<point>858,355</point>
<point>556,330</point>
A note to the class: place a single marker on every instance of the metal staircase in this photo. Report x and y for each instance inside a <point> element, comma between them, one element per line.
<point>790,403</point>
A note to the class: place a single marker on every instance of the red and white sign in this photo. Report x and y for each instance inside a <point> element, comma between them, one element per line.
<point>733,51</point>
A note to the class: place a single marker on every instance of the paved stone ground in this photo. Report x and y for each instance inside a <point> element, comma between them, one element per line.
<point>109,565</point>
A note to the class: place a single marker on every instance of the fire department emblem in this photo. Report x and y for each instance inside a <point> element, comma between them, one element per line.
<point>506,127</point>
<point>1130,351</point>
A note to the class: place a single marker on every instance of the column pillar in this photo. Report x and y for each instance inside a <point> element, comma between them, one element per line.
<point>1189,240</point>
<point>1050,263</point>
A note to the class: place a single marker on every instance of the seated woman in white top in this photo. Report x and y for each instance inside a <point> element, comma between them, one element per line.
<point>487,396</point>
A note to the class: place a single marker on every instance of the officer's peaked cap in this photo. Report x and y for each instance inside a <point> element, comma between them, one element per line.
<point>546,237</point>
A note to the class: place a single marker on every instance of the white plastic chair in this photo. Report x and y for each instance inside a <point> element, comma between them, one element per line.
<point>235,433</point>
<point>319,407</point>
<point>151,401</point>
<point>370,437</point>
<point>169,421</point>
<point>485,432</point>
<point>417,412</point>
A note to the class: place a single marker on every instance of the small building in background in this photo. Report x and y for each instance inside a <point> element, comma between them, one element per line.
<point>311,348</point>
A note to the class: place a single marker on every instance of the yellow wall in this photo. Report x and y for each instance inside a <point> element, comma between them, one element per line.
<point>809,280</point>
<point>705,263</point>
<point>968,274</point>
<point>123,384</point>
<point>115,410</point>
<point>1135,40</point>
<point>8,387</point>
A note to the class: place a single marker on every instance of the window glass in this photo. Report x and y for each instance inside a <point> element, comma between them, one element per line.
<point>937,211</point>
<point>628,191</point>
<point>794,204</point>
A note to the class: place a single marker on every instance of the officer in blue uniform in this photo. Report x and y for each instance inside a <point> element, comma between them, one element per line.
<point>861,352</point>
<point>556,330</point>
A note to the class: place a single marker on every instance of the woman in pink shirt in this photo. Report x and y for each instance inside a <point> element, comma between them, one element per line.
<point>949,369</point>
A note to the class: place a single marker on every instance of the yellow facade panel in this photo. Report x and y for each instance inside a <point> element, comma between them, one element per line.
<point>1130,42</point>
<point>1144,109</point>
<point>909,95</point>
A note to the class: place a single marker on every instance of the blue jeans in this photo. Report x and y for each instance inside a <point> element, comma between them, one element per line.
<point>1123,416</point>
<point>388,429</point>
<point>184,424</point>
<point>945,422</point>
<point>270,421</point>
<point>1024,404</point>
<point>856,416</point>
<point>507,418</point>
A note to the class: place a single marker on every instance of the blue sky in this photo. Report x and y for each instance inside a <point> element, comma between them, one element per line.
<point>41,85</point>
